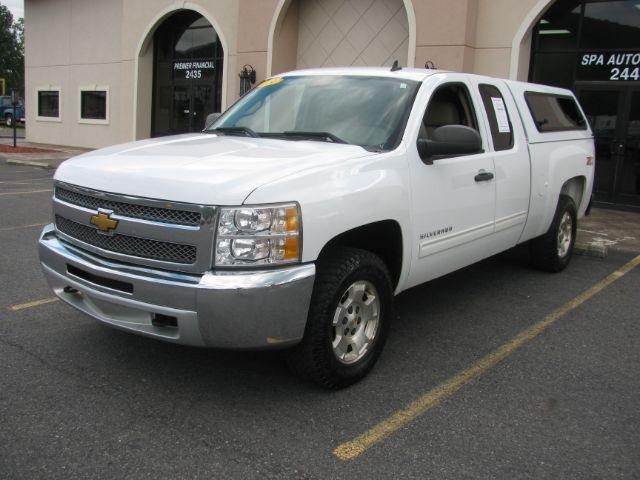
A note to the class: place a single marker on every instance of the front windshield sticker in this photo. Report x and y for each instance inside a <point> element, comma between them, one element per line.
<point>501,115</point>
<point>271,81</point>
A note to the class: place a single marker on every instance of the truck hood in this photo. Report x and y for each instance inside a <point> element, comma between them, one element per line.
<point>199,168</point>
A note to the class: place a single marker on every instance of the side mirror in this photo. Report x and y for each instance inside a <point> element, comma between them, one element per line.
<point>212,117</point>
<point>449,141</point>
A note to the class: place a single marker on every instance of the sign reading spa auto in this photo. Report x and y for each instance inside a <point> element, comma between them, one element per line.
<point>616,66</point>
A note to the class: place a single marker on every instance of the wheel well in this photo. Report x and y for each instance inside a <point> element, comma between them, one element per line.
<point>574,188</point>
<point>382,238</point>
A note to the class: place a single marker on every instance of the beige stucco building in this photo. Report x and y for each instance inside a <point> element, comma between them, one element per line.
<point>100,72</point>
<point>108,44</point>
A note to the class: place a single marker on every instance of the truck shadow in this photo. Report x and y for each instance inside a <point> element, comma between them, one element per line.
<point>429,317</point>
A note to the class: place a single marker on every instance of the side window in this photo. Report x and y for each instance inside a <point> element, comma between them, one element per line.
<point>501,129</point>
<point>554,113</point>
<point>449,105</point>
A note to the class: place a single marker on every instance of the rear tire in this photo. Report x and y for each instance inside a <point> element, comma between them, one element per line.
<point>8,120</point>
<point>552,251</point>
<point>348,321</point>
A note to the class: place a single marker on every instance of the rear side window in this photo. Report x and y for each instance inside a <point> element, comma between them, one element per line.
<point>501,130</point>
<point>555,113</point>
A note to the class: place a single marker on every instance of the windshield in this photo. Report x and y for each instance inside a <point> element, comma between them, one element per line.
<point>366,111</point>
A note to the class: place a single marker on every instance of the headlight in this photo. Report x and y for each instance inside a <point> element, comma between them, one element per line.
<point>258,235</point>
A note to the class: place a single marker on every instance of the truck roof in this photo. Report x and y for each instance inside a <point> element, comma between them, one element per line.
<point>419,74</point>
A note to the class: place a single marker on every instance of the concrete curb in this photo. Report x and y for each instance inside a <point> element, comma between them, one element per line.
<point>590,250</point>
<point>31,163</point>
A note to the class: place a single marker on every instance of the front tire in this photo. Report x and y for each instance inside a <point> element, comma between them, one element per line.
<point>8,120</point>
<point>348,321</point>
<point>552,251</point>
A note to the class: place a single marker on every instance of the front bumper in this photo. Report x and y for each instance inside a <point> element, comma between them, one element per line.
<point>225,309</point>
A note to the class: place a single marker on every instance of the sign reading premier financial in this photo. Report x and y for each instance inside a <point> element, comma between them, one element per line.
<point>616,66</point>
<point>193,70</point>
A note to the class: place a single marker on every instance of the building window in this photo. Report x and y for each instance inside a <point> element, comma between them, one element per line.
<point>587,40</point>
<point>48,104</point>
<point>94,105</point>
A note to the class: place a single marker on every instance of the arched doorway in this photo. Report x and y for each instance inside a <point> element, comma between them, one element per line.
<point>313,33</point>
<point>187,73</point>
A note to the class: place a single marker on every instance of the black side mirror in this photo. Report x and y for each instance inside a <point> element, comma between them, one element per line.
<point>212,117</point>
<point>449,141</point>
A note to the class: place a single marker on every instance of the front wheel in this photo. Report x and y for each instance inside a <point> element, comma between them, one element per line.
<point>348,319</point>
<point>8,120</point>
<point>553,250</point>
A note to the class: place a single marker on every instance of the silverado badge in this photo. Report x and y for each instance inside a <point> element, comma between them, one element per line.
<point>103,221</point>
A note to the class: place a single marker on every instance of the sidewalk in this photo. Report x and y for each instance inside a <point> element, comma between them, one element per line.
<point>41,155</point>
<point>609,229</point>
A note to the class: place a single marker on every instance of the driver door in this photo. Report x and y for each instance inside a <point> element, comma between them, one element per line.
<point>454,197</point>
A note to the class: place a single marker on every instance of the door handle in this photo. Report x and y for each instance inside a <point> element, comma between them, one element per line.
<point>484,176</point>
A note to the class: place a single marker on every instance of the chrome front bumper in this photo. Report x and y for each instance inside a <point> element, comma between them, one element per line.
<point>225,309</point>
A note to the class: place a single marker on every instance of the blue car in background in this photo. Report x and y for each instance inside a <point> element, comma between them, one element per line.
<point>6,111</point>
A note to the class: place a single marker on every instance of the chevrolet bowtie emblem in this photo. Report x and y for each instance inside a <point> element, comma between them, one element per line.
<point>103,221</point>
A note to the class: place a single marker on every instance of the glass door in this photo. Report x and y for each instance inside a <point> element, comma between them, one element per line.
<point>202,99</point>
<point>614,114</point>
<point>181,118</point>
<point>602,106</point>
<point>629,179</point>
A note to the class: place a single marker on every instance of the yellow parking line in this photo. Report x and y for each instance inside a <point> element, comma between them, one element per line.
<point>5,229</point>
<point>353,448</point>
<point>35,303</point>
<point>24,192</point>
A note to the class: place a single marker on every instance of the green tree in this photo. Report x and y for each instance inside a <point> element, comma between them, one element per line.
<point>11,50</point>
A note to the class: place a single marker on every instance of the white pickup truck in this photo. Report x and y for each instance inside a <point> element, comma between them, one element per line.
<point>294,219</point>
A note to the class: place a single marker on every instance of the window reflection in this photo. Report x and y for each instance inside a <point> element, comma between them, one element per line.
<point>613,24</point>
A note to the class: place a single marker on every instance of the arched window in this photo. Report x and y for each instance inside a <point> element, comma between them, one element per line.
<point>569,39</point>
<point>187,74</point>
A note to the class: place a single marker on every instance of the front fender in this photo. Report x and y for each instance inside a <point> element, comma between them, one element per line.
<point>339,198</point>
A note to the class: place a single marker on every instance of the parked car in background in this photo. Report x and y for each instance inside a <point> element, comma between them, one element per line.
<point>6,111</point>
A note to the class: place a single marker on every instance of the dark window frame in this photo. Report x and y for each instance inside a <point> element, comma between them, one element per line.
<point>97,90</point>
<point>493,121</point>
<point>39,112</point>
<point>579,128</point>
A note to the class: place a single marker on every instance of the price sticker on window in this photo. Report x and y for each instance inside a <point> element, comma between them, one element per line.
<point>501,115</point>
<point>271,81</point>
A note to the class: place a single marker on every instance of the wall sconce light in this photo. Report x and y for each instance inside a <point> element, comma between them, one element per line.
<point>247,79</point>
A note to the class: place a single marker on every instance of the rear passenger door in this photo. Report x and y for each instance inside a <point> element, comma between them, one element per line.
<point>453,199</point>
<point>508,147</point>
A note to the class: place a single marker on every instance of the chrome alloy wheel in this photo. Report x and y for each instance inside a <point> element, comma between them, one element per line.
<point>355,323</point>
<point>565,232</point>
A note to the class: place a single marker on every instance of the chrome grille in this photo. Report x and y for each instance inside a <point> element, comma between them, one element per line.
<point>128,245</point>
<point>144,212</point>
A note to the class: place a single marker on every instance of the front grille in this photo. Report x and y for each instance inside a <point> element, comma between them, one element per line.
<point>144,212</point>
<point>127,245</point>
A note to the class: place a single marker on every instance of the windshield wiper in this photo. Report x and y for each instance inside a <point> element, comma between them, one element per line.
<point>246,131</point>
<point>326,136</point>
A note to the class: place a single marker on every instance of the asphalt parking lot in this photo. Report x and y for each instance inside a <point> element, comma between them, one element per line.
<point>81,400</point>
